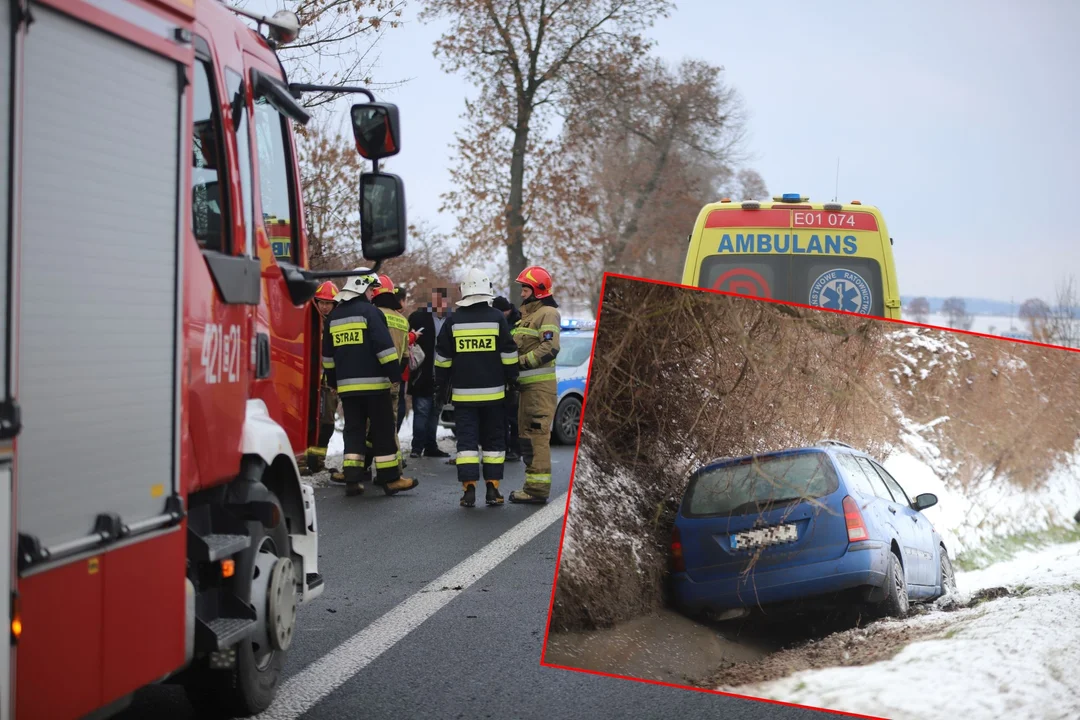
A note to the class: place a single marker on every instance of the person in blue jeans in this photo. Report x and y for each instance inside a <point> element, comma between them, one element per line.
<point>427,322</point>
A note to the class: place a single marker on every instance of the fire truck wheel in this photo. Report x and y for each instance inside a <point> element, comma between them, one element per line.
<point>249,688</point>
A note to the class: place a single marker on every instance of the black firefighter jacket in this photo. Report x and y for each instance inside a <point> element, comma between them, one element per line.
<point>476,348</point>
<point>359,356</point>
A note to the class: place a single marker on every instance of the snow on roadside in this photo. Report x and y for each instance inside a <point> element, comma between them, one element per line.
<point>1015,657</point>
<point>994,510</point>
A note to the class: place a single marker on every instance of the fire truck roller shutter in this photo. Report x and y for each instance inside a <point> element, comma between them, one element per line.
<point>99,273</point>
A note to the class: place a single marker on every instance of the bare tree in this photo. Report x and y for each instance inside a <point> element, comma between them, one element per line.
<point>338,43</point>
<point>1036,315</point>
<point>329,167</point>
<point>955,310</point>
<point>651,150</point>
<point>919,309</point>
<point>1064,322</point>
<point>526,56</point>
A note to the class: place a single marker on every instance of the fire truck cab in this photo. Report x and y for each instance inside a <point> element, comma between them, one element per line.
<point>159,356</point>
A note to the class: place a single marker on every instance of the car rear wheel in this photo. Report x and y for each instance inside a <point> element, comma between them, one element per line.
<point>896,603</point>
<point>948,576</point>
<point>567,419</point>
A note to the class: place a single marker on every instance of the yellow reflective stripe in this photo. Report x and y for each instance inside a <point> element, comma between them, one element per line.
<point>494,461</point>
<point>467,460</point>
<point>529,379</point>
<point>353,387</point>
<point>525,331</point>
<point>442,362</point>
<point>348,326</point>
<point>510,360</point>
<point>383,464</point>
<point>455,397</point>
<point>348,462</point>
<point>458,332</point>
<point>389,358</point>
<point>549,327</point>
<point>530,359</point>
<point>316,451</point>
<point>537,479</point>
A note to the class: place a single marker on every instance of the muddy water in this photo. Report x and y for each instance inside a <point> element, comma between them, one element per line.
<point>665,647</point>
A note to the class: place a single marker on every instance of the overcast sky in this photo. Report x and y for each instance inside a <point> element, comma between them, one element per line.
<point>960,120</point>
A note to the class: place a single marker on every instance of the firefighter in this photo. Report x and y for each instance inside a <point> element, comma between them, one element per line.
<point>537,338</point>
<point>513,447</point>
<point>476,358</point>
<point>385,297</point>
<point>361,361</point>
<point>315,460</point>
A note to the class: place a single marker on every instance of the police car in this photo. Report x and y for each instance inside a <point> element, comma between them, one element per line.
<point>571,369</point>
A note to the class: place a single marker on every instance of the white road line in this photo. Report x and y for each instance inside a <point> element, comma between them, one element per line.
<point>302,691</point>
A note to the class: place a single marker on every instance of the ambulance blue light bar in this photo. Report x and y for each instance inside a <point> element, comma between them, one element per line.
<point>573,324</point>
<point>790,197</point>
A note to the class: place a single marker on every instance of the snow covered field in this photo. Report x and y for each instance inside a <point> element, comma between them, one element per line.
<point>1015,657</point>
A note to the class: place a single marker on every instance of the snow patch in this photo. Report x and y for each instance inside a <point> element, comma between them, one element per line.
<point>1015,657</point>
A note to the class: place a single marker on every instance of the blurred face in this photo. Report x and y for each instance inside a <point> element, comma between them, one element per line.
<point>438,303</point>
<point>324,306</point>
<point>506,314</point>
<point>526,293</point>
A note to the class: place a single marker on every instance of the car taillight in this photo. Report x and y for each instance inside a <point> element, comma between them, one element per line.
<point>856,528</point>
<point>677,563</point>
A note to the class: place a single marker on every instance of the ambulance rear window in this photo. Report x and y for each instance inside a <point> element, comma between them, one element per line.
<point>851,284</point>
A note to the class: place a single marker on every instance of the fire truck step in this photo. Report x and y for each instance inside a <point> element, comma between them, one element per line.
<point>211,548</point>
<point>222,633</point>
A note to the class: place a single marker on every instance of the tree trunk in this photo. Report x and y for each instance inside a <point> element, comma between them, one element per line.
<point>515,220</point>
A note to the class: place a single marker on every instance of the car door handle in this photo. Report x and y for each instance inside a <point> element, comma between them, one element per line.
<point>892,510</point>
<point>914,519</point>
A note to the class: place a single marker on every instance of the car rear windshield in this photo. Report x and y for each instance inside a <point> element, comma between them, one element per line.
<point>573,350</point>
<point>757,484</point>
<point>852,284</point>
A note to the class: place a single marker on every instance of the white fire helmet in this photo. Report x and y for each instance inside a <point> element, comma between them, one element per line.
<point>357,285</point>
<point>476,288</point>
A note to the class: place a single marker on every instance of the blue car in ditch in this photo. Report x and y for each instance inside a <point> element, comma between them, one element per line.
<point>824,523</point>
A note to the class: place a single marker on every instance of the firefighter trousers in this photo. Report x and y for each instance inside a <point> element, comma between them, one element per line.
<point>378,409</point>
<point>328,404</point>
<point>536,409</point>
<point>394,394</point>
<point>480,426</point>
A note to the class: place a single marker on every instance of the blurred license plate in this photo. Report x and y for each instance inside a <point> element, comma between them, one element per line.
<point>763,537</point>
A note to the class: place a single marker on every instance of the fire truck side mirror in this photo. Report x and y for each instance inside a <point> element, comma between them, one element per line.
<point>376,129</point>
<point>382,216</point>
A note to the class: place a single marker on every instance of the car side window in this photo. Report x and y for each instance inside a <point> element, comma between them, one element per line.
<point>856,474</point>
<point>209,189</point>
<point>897,491</point>
<point>880,488</point>
<point>274,180</point>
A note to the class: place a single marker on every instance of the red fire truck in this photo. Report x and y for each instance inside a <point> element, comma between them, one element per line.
<point>158,363</point>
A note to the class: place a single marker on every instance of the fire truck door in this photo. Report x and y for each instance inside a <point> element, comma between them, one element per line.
<point>7,525</point>
<point>99,273</point>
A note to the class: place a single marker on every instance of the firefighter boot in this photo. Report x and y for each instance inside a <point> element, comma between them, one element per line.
<point>337,476</point>
<point>403,483</point>
<point>522,497</point>
<point>315,461</point>
<point>354,475</point>
<point>493,496</point>
<point>468,499</point>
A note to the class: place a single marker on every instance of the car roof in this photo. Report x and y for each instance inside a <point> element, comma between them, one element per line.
<point>825,446</point>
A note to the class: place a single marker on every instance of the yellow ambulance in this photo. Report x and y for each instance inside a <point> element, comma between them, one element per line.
<point>830,255</point>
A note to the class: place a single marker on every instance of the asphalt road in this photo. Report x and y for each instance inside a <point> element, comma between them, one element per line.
<point>478,655</point>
